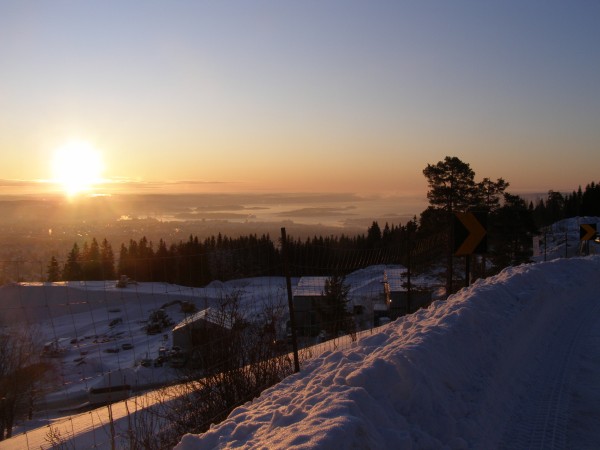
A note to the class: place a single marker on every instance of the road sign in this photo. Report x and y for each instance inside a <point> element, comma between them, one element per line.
<point>470,233</point>
<point>587,231</point>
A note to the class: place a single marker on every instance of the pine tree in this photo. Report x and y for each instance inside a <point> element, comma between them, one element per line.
<point>451,185</point>
<point>333,308</point>
<point>107,260</point>
<point>452,189</point>
<point>53,270</point>
<point>91,265</point>
<point>374,235</point>
<point>513,228</point>
<point>490,193</point>
<point>123,267</point>
<point>72,269</point>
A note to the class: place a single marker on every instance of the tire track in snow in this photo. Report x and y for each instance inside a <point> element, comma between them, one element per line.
<point>541,418</point>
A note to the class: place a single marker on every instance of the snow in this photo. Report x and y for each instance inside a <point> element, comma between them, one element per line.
<point>75,319</point>
<point>510,362</point>
<point>561,239</point>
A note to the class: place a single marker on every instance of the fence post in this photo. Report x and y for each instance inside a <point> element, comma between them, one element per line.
<point>408,271</point>
<point>450,268</point>
<point>288,282</point>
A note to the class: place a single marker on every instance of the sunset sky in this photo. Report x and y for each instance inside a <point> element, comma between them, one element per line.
<point>290,96</point>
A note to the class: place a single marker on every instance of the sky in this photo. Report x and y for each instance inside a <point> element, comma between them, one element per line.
<point>312,96</point>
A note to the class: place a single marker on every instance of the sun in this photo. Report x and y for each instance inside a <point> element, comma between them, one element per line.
<point>77,167</point>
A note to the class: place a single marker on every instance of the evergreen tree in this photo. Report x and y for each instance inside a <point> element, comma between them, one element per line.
<point>91,264</point>
<point>452,189</point>
<point>53,270</point>
<point>490,193</point>
<point>333,309</point>
<point>107,260</point>
<point>590,200</point>
<point>72,269</point>
<point>144,257</point>
<point>374,235</point>
<point>123,266</point>
<point>161,268</point>
<point>512,232</point>
<point>451,185</point>
<point>555,207</point>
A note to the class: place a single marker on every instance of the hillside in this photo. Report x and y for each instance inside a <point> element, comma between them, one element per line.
<point>510,362</point>
<point>452,375</point>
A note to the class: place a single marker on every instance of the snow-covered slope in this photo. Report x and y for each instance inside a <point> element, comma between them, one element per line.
<point>561,239</point>
<point>510,362</point>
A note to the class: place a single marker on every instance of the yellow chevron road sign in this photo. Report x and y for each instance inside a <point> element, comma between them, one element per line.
<point>587,231</point>
<point>470,233</point>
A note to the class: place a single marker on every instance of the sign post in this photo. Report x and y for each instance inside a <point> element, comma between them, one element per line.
<point>587,233</point>
<point>470,236</point>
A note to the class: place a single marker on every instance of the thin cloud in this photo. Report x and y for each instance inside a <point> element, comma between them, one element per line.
<point>21,183</point>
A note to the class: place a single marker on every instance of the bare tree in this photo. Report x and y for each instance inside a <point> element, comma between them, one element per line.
<point>234,363</point>
<point>21,370</point>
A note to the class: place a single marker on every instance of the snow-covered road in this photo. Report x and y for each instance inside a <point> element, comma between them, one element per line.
<point>542,415</point>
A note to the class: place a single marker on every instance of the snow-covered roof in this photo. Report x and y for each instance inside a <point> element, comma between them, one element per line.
<point>211,315</point>
<point>310,286</point>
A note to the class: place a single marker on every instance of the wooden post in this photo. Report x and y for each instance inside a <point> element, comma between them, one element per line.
<point>288,282</point>
<point>408,272</point>
<point>467,270</point>
<point>449,268</point>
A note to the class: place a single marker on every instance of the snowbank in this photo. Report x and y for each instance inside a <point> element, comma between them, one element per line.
<point>446,377</point>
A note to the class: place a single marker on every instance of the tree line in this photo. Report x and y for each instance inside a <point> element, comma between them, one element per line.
<point>421,241</point>
<point>196,262</point>
<point>556,206</point>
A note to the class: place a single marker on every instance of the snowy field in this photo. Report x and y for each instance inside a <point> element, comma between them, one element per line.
<point>511,362</point>
<point>93,329</point>
<point>97,332</point>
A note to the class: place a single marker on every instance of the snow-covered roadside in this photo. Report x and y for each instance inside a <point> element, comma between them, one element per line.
<point>450,376</point>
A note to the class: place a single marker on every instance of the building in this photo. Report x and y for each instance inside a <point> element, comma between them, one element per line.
<point>306,296</point>
<point>377,294</point>
<point>201,329</point>
<point>401,301</point>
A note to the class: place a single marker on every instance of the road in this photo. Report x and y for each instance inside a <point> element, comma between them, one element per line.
<point>550,374</point>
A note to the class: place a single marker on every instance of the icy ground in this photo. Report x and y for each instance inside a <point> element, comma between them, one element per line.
<point>511,362</point>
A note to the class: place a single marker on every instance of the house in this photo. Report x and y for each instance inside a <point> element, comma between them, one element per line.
<point>200,329</point>
<point>367,289</point>
<point>377,294</point>
<point>400,300</point>
<point>306,296</point>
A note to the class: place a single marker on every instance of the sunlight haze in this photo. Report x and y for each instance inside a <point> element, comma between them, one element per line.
<point>336,96</point>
